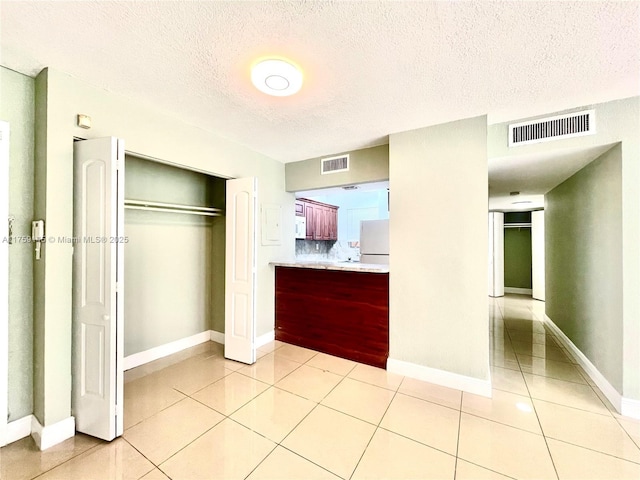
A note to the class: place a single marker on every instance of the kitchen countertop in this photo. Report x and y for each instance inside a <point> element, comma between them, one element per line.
<point>344,266</point>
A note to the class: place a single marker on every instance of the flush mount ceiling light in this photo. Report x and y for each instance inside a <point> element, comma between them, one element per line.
<point>276,77</point>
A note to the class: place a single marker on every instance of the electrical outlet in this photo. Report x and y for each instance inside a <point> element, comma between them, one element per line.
<point>317,246</point>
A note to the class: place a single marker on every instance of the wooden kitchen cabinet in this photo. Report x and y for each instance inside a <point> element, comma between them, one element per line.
<point>309,214</point>
<point>322,219</point>
<point>318,227</point>
<point>333,225</point>
<point>326,235</point>
<point>338,312</point>
<point>299,209</point>
<point>323,216</point>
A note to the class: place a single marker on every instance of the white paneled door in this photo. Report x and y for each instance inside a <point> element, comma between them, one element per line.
<point>240,270</point>
<point>4,279</point>
<point>97,286</point>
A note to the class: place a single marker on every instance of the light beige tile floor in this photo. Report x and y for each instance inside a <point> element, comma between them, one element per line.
<point>274,413</point>
<point>299,414</point>
<point>164,433</point>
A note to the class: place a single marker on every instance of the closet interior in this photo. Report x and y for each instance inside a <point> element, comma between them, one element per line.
<point>173,256</point>
<point>518,264</point>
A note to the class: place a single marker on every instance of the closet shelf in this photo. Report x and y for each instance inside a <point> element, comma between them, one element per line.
<point>172,208</point>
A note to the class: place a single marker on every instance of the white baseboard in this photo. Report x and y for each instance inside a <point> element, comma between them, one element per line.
<point>155,353</point>
<point>440,377</point>
<point>217,337</point>
<point>266,338</point>
<point>630,408</point>
<point>624,406</point>
<point>46,437</point>
<point>518,291</point>
<point>18,429</point>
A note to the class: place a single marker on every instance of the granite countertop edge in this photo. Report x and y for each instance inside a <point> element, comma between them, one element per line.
<point>344,266</point>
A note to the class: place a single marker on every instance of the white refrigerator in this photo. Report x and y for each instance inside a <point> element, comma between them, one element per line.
<point>374,241</point>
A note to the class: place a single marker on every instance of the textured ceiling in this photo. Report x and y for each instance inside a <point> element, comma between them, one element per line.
<point>534,175</point>
<point>371,68</point>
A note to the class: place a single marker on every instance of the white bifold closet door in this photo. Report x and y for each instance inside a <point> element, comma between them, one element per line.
<point>97,287</point>
<point>537,254</point>
<point>496,254</point>
<point>240,270</point>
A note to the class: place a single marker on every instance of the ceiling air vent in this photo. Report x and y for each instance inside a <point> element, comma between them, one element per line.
<point>575,124</point>
<point>335,164</point>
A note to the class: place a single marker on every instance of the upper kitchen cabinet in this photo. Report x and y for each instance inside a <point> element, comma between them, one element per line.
<point>321,218</point>
<point>309,214</point>
<point>333,223</point>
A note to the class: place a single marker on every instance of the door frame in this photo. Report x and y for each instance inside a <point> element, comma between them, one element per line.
<point>496,234</point>
<point>4,280</point>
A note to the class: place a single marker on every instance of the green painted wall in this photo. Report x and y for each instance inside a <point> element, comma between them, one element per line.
<point>517,257</point>
<point>583,225</point>
<point>174,285</point>
<point>517,217</point>
<point>167,278</point>
<point>17,107</point>
<point>365,165</point>
<point>158,182</point>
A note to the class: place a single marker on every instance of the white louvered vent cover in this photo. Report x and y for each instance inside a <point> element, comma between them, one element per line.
<point>575,124</point>
<point>335,164</point>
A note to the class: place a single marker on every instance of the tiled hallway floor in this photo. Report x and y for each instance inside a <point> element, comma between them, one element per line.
<point>298,414</point>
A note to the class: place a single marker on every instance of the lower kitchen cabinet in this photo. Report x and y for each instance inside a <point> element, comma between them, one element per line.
<point>341,313</point>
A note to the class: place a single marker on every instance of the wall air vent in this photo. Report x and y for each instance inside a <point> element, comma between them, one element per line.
<point>575,124</point>
<point>335,164</point>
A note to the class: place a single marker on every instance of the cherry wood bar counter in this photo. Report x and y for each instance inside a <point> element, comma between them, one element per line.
<point>342,310</point>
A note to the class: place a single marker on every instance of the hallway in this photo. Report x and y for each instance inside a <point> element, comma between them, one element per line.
<point>298,414</point>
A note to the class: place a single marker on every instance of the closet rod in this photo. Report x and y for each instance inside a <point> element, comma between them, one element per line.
<point>172,207</point>
<point>517,225</point>
<point>172,210</point>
